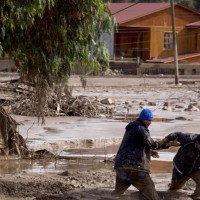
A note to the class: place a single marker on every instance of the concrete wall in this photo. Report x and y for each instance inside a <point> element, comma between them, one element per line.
<point>109,42</point>
<point>158,68</point>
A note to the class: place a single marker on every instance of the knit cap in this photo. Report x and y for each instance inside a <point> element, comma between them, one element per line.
<point>146,114</point>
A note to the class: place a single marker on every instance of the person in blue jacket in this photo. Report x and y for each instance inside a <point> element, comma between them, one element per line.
<point>132,162</point>
<point>186,162</point>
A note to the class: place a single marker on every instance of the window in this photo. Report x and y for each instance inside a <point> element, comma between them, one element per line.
<point>168,40</point>
<point>181,71</point>
<point>194,71</point>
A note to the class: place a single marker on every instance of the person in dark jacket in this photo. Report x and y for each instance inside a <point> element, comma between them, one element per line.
<point>186,161</point>
<point>132,162</point>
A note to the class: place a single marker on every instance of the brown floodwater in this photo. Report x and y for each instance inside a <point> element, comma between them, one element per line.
<point>59,166</point>
<point>87,155</point>
<point>130,117</point>
<point>95,158</point>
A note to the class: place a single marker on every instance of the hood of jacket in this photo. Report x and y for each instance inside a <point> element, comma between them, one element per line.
<point>137,122</point>
<point>133,152</point>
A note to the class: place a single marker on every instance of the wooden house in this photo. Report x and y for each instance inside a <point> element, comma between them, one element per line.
<point>144,30</point>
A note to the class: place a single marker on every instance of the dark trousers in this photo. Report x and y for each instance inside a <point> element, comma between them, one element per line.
<point>141,180</point>
<point>178,180</point>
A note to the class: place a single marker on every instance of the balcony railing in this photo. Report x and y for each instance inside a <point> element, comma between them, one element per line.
<point>129,53</point>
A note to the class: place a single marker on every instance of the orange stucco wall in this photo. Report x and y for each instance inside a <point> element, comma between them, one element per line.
<point>193,39</point>
<point>187,41</point>
<point>159,23</point>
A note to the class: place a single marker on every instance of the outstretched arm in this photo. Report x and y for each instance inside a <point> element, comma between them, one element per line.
<point>150,142</point>
<point>173,139</point>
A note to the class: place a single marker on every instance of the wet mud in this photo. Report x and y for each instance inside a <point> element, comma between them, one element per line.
<point>93,143</point>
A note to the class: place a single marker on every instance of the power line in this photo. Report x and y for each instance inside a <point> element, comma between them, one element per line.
<point>124,8</point>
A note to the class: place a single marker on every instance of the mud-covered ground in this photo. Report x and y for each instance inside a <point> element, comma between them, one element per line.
<point>176,108</point>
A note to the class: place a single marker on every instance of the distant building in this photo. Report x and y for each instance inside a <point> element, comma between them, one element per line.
<point>145,30</point>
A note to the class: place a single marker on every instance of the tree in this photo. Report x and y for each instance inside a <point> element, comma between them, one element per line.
<point>12,142</point>
<point>46,38</point>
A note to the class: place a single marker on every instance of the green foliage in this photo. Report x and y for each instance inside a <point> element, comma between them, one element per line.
<point>46,38</point>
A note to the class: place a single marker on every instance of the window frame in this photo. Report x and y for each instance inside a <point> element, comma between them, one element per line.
<point>168,40</point>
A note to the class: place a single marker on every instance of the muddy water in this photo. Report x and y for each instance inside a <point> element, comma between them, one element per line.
<point>163,164</point>
<point>79,159</point>
<point>130,117</point>
<point>88,140</point>
<point>53,166</point>
<point>59,166</point>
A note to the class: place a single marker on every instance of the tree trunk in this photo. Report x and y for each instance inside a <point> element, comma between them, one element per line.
<point>12,142</point>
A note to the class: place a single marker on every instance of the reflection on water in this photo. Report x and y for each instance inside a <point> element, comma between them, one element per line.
<point>51,165</point>
<point>66,132</point>
<point>77,161</point>
<point>110,152</point>
<point>14,166</point>
<point>58,166</point>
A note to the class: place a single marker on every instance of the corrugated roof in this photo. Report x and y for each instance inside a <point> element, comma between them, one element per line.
<point>171,59</point>
<point>124,12</point>
<point>116,7</point>
<point>194,25</point>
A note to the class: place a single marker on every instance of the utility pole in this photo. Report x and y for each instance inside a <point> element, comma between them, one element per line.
<point>174,43</point>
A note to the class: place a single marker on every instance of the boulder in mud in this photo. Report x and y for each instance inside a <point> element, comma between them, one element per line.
<point>107,101</point>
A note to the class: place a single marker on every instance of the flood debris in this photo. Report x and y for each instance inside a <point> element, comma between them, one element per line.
<point>19,98</point>
<point>12,142</point>
<point>107,101</point>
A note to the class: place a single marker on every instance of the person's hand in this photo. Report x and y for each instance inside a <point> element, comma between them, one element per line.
<point>162,142</point>
<point>174,143</point>
<point>154,154</point>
